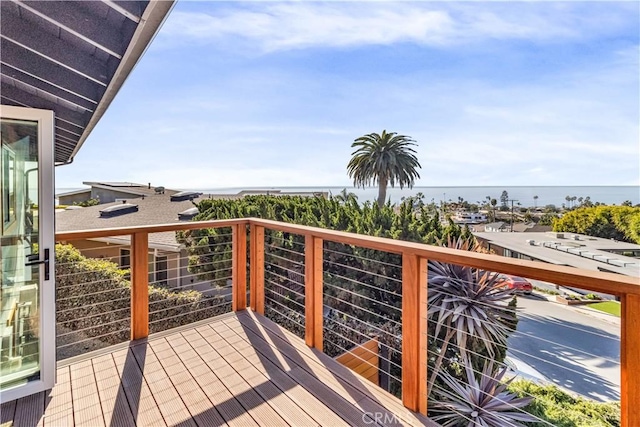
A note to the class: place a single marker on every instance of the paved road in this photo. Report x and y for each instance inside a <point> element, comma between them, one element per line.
<point>574,350</point>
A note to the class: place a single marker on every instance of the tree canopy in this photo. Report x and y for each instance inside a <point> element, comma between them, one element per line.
<point>383,159</point>
<point>609,222</point>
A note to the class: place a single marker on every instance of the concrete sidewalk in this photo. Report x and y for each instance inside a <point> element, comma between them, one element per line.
<point>582,308</point>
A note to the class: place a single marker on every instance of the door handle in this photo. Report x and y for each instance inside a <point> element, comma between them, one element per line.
<point>33,260</point>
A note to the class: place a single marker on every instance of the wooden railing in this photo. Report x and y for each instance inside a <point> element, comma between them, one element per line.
<point>414,291</point>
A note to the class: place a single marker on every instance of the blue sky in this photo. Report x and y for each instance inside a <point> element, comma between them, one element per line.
<point>235,94</point>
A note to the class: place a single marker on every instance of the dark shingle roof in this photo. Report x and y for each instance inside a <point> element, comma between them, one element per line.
<point>156,209</point>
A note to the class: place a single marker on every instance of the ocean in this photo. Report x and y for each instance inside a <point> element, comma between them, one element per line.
<point>549,195</point>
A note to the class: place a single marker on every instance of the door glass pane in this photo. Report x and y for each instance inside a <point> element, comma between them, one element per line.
<point>20,286</point>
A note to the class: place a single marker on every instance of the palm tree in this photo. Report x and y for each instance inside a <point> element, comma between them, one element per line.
<point>383,159</point>
<point>346,197</point>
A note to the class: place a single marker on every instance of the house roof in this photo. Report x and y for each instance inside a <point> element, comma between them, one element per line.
<point>154,209</point>
<point>122,187</point>
<point>497,225</point>
<point>72,57</point>
<point>586,252</point>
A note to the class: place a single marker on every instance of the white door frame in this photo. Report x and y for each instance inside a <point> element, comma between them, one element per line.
<point>46,240</point>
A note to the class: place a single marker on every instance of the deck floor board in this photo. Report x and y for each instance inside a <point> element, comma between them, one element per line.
<point>237,370</point>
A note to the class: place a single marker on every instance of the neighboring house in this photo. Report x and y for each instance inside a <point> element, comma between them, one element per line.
<point>575,250</point>
<point>496,227</point>
<point>62,65</point>
<point>168,260</point>
<point>107,192</point>
<point>464,217</point>
<point>518,227</point>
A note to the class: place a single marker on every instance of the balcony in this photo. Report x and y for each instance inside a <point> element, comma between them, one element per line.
<point>259,354</point>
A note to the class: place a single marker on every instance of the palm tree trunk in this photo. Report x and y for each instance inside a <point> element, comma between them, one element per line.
<point>382,192</point>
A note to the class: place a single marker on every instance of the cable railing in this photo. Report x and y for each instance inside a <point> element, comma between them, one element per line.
<point>368,302</point>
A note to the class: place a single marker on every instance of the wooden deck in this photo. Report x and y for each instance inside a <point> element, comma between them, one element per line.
<point>239,369</point>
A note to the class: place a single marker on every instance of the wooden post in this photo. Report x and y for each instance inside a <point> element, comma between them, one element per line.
<point>630,360</point>
<point>239,267</point>
<point>256,285</point>
<point>139,285</point>
<point>414,333</point>
<point>313,283</point>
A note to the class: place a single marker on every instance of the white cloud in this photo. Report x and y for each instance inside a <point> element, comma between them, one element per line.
<point>274,26</point>
<point>276,120</point>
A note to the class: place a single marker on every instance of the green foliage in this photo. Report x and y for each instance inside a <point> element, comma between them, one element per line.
<point>547,219</point>
<point>609,222</point>
<point>561,409</point>
<point>546,291</point>
<point>87,203</point>
<point>405,222</point>
<point>93,304</point>
<point>504,200</point>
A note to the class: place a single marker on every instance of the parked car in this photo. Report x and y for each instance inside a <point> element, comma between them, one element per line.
<point>516,284</point>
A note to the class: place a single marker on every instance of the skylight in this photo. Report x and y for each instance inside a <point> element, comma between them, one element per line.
<point>184,195</point>
<point>117,210</point>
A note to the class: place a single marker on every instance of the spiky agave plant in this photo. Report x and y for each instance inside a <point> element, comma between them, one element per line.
<point>466,304</point>
<point>483,402</point>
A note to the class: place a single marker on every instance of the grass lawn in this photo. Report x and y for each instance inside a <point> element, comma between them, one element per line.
<point>611,307</point>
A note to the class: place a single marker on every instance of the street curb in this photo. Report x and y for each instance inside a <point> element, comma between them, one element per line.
<point>540,295</point>
<point>588,311</point>
<point>601,315</point>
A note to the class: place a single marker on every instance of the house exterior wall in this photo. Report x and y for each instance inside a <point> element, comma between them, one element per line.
<point>108,196</point>
<point>74,198</point>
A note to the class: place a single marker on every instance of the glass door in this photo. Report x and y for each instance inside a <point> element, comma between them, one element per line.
<point>27,293</point>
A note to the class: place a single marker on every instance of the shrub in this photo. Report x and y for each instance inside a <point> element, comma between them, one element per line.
<point>93,304</point>
<point>555,406</point>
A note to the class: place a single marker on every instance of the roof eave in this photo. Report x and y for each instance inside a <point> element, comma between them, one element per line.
<point>149,25</point>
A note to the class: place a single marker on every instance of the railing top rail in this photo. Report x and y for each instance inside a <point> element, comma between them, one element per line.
<point>156,228</point>
<point>595,281</point>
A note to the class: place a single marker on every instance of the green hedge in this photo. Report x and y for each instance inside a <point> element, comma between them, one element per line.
<point>93,304</point>
<point>562,409</point>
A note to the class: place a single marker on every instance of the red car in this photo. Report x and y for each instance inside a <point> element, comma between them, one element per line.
<point>516,284</point>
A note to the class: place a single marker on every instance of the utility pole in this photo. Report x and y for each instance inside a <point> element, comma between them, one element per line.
<point>512,200</point>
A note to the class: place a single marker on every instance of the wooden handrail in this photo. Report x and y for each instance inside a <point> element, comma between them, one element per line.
<point>156,228</point>
<point>414,285</point>
<point>595,281</point>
